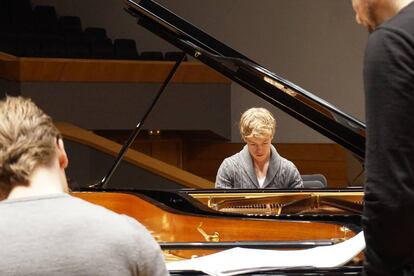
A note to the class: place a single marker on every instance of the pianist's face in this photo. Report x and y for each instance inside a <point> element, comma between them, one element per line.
<point>259,148</point>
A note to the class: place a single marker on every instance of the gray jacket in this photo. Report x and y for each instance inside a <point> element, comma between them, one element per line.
<point>237,172</point>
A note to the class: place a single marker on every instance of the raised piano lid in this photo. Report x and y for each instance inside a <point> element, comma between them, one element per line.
<point>292,99</point>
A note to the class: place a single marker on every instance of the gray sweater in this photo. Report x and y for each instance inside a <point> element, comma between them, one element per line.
<point>237,172</point>
<point>63,235</point>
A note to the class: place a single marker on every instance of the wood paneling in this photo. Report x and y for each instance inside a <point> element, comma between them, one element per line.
<point>93,70</point>
<point>134,157</point>
<point>169,152</point>
<point>166,150</point>
<point>9,67</point>
<point>312,152</point>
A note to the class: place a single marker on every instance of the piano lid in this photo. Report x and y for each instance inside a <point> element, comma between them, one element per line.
<point>292,99</point>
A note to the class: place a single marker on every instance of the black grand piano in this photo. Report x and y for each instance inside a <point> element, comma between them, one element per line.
<point>286,219</point>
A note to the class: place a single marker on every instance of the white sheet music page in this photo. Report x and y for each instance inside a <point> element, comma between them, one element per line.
<point>241,260</point>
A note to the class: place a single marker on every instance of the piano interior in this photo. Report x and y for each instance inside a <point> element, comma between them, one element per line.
<point>260,204</point>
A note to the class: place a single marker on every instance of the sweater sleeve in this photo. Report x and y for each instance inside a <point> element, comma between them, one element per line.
<point>293,178</point>
<point>225,176</point>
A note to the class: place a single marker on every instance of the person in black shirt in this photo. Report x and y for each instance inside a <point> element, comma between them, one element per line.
<point>387,219</point>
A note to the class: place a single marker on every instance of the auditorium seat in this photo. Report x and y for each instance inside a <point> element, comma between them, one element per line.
<point>125,49</point>
<point>92,34</point>
<point>315,181</point>
<point>76,46</point>
<point>152,55</point>
<point>29,45</point>
<point>70,25</point>
<point>39,32</point>
<point>46,19</point>
<point>22,16</point>
<point>5,13</point>
<point>9,43</point>
<point>52,46</point>
<point>174,56</point>
<point>102,49</point>
<point>17,5</point>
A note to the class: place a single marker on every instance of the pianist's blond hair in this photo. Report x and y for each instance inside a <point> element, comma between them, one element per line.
<point>27,140</point>
<point>257,122</point>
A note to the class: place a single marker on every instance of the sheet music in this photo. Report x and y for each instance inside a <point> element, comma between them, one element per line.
<point>241,260</point>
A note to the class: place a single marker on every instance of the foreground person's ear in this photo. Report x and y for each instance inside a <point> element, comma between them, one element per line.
<point>62,156</point>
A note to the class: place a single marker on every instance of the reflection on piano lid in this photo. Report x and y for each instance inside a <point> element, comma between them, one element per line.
<point>294,100</point>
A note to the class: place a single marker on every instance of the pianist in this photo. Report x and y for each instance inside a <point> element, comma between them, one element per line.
<point>258,165</point>
<point>44,230</point>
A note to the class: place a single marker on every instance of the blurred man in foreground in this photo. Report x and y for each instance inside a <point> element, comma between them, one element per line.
<point>389,91</point>
<point>45,231</point>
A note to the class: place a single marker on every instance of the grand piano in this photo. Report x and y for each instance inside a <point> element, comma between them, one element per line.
<point>191,222</point>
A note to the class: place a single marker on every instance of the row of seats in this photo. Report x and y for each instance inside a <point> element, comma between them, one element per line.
<point>39,32</point>
<point>58,46</point>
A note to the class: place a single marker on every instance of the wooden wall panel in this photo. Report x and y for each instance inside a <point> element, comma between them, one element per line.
<point>166,150</point>
<point>312,152</point>
<point>135,158</point>
<point>96,70</point>
<point>169,152</point>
